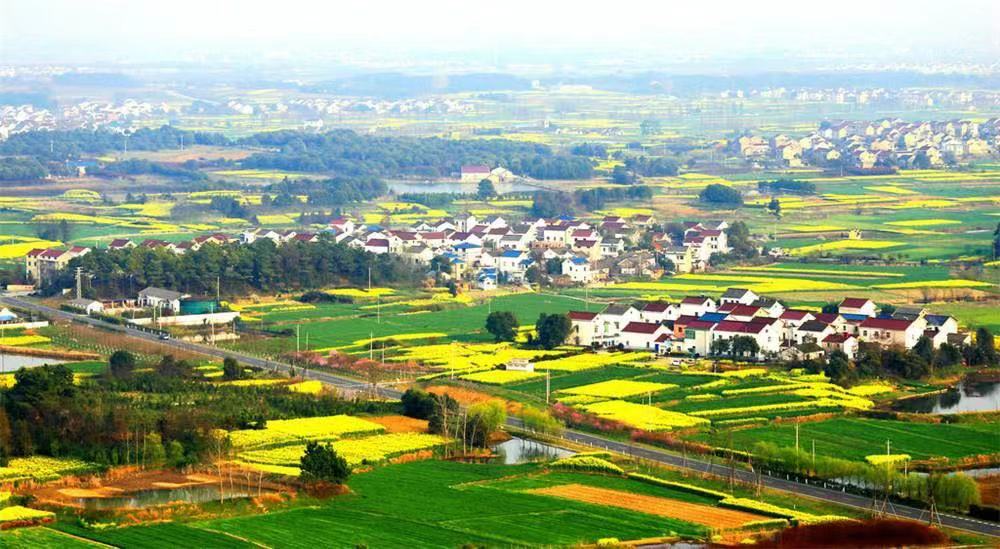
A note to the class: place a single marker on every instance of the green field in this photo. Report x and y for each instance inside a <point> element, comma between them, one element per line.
<point>855,438</point>
<point>42,538</point>
<point>461,323</point>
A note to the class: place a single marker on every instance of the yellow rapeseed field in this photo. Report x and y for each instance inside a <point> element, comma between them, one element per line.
<point>619,388</point>
<point>501,377</point>
<point>642,416</point>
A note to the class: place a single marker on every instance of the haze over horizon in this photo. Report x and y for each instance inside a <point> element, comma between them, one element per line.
<point>296,32</point>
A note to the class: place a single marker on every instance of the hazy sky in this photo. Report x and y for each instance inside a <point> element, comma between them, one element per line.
<point>144,30</point>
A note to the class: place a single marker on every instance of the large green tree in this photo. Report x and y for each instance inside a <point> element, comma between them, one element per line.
<point>552,329</point>
<point>503,325</point>
<point>320,463</point>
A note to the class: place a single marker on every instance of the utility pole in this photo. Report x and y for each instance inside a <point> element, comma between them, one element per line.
<point>79,283</point>
<point>796,438</point>
<point>297,338</point>
<point>548,379</point>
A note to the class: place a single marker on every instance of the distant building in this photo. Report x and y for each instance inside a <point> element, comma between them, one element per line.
<point>475,174</point>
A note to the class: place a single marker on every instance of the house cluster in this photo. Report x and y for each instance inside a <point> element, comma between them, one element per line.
<point>889,142</point>
<point>488,251</point>
<point>41,264</point>
<point>702,326</point>
<point>84,115</point>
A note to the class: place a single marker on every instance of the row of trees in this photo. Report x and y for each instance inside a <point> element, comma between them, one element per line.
<point>473,426</point>
<point>237,268</point>
<point>348,153</point>
<point>131,417</point>
<point>60,145</point>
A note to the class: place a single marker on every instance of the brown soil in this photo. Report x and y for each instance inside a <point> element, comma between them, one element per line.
<point>466,397</point>
<point>858,534</point>
<point>989,489</point>
<point>401,424</point>
<point>715,517</point>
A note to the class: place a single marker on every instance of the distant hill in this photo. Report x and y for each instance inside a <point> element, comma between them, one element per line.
<point>395,85</point>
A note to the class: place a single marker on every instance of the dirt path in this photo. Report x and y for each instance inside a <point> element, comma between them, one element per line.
<point>714,517</point>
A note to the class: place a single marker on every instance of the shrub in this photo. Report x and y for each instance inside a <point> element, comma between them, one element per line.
<point>588,464</point>
<point>322,464</point>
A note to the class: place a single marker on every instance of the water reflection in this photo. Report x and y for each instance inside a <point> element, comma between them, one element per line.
<point>967,396</point>
<point>519,450</point>
<point>151,498</point>
<point>12,363</point>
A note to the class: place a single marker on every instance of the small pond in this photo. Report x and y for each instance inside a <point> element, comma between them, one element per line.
<point>967,396</point>
<point>12,363</point>
<point>163,496</point>
<point>519,450</point>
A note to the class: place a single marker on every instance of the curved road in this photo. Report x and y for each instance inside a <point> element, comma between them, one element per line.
<point>350,385</point>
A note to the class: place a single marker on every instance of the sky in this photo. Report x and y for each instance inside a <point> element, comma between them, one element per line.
<point>183,30</point>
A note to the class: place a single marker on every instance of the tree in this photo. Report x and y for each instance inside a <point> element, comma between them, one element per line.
<point>887,310</point>
<point>722,195</point>
<point>774,206</point>
<point>171,367</point>
<point>838,368</point>
<point>924,348</point>
<point>745,346</point>
<point>947,356</point>
<point>552,330</point>
<point>985,346</point>
<point>622,176</point>
<point>121,364</point>
<point>482,420</point>
<point>996,243</point>
<point>549,204</point>
<point>540,421</point>
<point>738,237</point>
<point>503,325</point>
<point>649,127</point>
<point>719,347</point>
<point>231,369</point>
<point>320,463</point>
<point>830,308</point>
<point>418,403</point>
<point>486,190</point>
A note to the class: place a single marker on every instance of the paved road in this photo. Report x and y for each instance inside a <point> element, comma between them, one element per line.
<point>352,385</point>
<point>341,382</point>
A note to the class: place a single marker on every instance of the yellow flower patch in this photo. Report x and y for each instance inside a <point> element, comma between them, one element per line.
<point>19,341</point>
<point>845,245</point>
<point>951,283</point>
<point>588,361</point>
<point>500,377</point>
<point>642,416</point>
<point>20,249</point>
<point>619,388</point>
<point>924,222</point>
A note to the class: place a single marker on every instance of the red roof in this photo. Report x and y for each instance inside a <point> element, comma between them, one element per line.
<point>893,324</point>
<point>34,252</point>
<point>664,337</point>
<point>582,233</point>
<point>642,327</point>
<point>710,232</point>
<point>827,318</point>
<point>581,315</point>
<point>119,243</point>
<point>695,300</point>
<point>436,235</point>
<point>794,314</point>
<point>854,302</point>
<point>699,324</point>
<point>727,307</point>
<point>734,326</point>
<point>51,254</point>
<point>475,169</point>
<point>77,249</point>
<point>377,243</point>
<point>837,338</point>
<point>657,306</point>
<point>744,310</point>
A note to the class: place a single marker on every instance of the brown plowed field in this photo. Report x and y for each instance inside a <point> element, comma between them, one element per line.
<point>714,517</point>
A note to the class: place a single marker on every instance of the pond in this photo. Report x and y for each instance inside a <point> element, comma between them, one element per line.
<point>967,396</point>
<point>163,496</point>
<point>519,450</point>
<point>12,363</point>
<point>400,187</point>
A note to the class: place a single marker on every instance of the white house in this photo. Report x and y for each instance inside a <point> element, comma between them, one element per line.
<point>578,270</point>
<point>740,296</point>
<point>857,306</point>
<point>641,335</point>
<point>697,306</point>
<point>659,311</point>
<point>160,298</point>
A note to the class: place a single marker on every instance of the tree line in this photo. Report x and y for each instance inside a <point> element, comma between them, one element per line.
<point>345,152</point>
<point>261,266</point>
